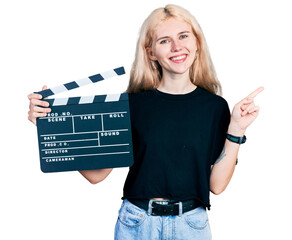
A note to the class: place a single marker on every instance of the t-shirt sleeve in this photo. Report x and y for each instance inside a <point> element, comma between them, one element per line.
<point>220,131</point>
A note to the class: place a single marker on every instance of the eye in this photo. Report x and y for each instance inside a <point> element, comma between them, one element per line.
<point>183,36</point>
<point>163,42</point>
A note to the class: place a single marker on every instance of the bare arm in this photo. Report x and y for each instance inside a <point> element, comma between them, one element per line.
<point>96,176</point>
<point>243,114</point>
<point>222,170</point>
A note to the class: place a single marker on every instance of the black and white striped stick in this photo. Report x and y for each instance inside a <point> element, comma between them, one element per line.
<point>80,83</point>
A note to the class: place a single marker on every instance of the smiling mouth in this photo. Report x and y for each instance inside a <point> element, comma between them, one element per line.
<point>179,59</point>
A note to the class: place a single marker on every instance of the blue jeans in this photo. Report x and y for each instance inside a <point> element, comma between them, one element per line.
<point>135,223</point>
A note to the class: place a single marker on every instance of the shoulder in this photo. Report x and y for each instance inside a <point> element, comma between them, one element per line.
<point>141,99</point>
<point>141,95</point>
<point>212,98</point>
<point>218,106</point>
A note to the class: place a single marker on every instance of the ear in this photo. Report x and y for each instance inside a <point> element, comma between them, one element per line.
<point>150,54</point>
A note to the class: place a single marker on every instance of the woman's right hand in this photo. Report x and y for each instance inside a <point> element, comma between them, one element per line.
<point>37,108</point>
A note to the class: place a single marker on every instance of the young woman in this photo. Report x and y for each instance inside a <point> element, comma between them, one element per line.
<point>185,141</point>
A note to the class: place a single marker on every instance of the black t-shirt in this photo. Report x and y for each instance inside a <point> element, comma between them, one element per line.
<point>176,139</point>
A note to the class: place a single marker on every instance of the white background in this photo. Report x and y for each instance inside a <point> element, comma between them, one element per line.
<point>54,42</point>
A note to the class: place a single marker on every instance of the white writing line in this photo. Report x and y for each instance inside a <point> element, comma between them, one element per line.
<point>57,134</point>
<point>114,145</point>
<point>80,140</point>
<point>73,125</point>
<point>98,141</point>
<point>102,123</point>
<point>91,114</point>
<point>85,155</point>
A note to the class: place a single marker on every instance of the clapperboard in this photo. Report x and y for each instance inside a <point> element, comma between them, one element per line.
<point>87,132</point>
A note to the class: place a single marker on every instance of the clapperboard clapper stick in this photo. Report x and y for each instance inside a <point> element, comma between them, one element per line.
<point>87,132</point>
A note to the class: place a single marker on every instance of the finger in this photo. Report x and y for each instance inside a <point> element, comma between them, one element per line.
<point>39,103</point>
<point>40,109</point>
<point>32,116</point>
<point>256,92</point>
<point>37,115</point>
<point>248,108</point>
<point>255,109</point>
<point>34,95</point>
<point>44,88</point>
<point>243,107</point>
<point>244,101</point>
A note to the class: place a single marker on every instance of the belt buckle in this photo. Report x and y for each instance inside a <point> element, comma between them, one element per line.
<point>180,207</point>
<point>150,207</point>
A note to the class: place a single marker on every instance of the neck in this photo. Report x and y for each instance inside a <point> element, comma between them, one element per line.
<point>176,83</point>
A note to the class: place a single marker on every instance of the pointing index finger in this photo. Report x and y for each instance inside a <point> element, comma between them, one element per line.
<point>255,93</point>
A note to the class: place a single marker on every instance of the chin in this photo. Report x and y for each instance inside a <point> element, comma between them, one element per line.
<point>180,70</point>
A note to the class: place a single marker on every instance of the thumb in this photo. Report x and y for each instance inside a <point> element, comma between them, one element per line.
<point>44,88</point>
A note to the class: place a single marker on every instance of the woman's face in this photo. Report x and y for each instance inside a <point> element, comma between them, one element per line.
<point>174,46</point>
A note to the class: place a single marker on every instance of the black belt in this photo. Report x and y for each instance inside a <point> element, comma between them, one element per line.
<point>171,207</point>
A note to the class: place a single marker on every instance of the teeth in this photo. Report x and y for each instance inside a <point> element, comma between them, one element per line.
<point>178,58</point>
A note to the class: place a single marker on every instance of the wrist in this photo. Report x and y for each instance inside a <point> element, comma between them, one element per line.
<point>236,139</point>
<point>235,130</point>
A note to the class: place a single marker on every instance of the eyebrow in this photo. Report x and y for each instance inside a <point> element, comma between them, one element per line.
<point>168,36</point>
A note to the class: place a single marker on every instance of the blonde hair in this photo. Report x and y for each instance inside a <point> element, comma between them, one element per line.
<point>146,74</point>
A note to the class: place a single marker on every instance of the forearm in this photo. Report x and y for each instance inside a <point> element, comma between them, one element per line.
<point>222,170</point>
<point>96,176</point>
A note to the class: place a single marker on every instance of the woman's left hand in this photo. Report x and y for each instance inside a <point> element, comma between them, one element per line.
<point>244,112</point>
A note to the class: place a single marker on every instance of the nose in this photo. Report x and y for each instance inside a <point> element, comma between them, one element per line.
<point>175,46</point>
